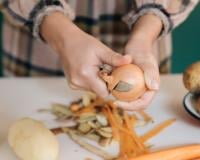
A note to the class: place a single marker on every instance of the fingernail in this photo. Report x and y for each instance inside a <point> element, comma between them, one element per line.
<point>154,85</point>
<point>151,84</point>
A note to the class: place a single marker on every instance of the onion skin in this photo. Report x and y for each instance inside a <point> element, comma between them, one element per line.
<point>130,74</point>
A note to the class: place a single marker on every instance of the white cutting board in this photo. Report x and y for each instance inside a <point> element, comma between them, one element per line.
<point>23,97</point>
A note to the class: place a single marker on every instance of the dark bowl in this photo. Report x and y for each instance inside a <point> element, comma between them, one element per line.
<point>189,105</point>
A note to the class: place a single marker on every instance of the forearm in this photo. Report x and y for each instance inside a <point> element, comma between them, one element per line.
<point>56,29</point>
<point>146,30</point>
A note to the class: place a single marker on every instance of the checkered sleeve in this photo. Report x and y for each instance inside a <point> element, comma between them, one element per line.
<point>30,13</point>
<point>171,12</point>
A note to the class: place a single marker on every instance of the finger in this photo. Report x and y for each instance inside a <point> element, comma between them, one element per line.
<point>152,79</point>
<point>88,79</point>
<point>139,104</point>
<point>115,59</point>
<point>99,88</point>
<point>71,83</point>
<point>97,85</point>
<point>73,86</point>
<point>151,73</point>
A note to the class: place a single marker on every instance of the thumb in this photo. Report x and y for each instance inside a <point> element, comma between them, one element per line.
<point>151,75</point>
<point>115,59</point>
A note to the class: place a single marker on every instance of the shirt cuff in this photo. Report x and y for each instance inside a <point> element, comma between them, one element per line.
<point>38,16</point>
<point>131,18</point>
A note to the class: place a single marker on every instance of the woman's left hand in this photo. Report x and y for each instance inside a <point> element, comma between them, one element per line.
<point>140,47</point>
<point>143,57</point>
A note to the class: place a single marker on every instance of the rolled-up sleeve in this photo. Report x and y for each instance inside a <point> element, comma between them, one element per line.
<point>30,13</point>
<point>171,12</point>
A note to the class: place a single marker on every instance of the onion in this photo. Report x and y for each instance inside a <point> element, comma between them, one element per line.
<point>126,83</point>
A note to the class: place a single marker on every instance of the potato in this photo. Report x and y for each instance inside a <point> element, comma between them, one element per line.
<point>191,77</point>
<point>31,140</point>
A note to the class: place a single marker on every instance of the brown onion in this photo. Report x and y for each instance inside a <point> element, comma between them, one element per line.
<point>131,75</point>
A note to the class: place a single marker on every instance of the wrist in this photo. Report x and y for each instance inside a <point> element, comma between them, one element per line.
<point>138,49</point>
<point>139,41</point>
<point>138,44</point>
<point>57,29</point>
<point>147,29</point>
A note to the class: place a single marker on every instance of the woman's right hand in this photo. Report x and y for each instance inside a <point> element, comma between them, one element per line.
<point>80,53</point>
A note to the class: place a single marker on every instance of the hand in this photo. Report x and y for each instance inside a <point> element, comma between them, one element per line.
<point>145,59</point>
<point>81,59</point>
<point>140,48</point>
<point>81,54</point>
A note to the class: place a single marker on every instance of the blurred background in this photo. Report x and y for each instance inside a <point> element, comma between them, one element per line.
<point>186,43</point>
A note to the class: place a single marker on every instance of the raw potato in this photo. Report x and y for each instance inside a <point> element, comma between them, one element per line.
<point>198,104</point>
<point>31,140</point>
<point>191,77</point>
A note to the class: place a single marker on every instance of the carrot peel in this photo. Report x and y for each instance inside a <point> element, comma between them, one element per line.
<point>180,153</point>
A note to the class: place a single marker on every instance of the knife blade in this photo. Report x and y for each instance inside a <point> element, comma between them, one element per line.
<point>123,87</point>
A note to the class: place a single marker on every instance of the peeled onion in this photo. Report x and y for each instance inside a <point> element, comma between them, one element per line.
<point>130,74</point>
<point>31,140</point>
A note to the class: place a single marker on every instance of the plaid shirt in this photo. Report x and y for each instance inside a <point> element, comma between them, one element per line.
<point>26,55</point>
